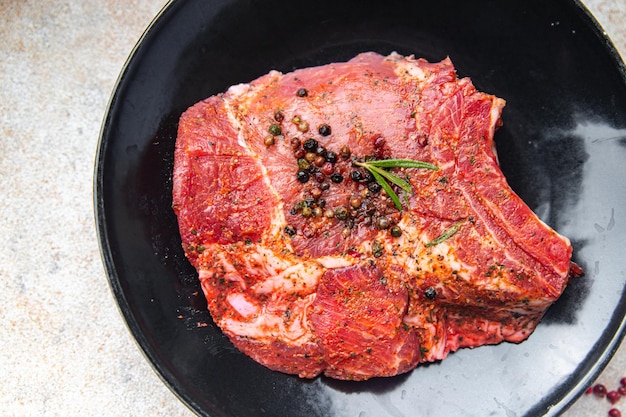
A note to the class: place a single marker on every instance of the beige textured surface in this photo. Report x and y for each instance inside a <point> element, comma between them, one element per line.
<point>64,349</point>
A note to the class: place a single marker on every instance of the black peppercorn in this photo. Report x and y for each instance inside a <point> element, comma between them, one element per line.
<point>336,178</point>
<point>302,176</point>
<point>289,231</point>
<point>331,157</point>
<point>356,175</point>
<point>310,145</point>
<point>302,92</point>
<point>374,187</point>
<point>324,130</point>
<point>430,293</point>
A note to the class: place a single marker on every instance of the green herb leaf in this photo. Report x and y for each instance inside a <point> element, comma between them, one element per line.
<point>383,177</point>
<point>447,234</point>
<point>391,177</point>
<point>402,163</point>
<point>392,194</point>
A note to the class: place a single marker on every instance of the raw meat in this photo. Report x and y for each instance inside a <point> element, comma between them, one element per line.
<point>310,268</point>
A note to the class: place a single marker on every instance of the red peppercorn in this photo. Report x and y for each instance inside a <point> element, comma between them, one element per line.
<point>614,412</point>
<point>599,390</point>
<point>613,396</point>
<point>328,168</point>
<point>622,382</point>
<point>622,391</point>
<point>589,390</point>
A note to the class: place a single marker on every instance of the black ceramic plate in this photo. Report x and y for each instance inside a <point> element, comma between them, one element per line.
<point>562,147</point>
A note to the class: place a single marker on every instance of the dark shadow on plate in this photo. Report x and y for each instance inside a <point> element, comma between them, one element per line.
<point>373,385</point>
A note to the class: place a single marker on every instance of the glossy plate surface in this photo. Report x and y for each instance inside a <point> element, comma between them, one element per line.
<point>562,148</point>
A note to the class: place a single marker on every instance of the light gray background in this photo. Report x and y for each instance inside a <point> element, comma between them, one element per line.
<point>64,348</point>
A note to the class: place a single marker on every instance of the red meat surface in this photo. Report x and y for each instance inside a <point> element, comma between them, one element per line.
<point>318,271</point>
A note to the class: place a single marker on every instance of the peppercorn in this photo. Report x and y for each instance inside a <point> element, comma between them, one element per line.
<point>382,222</point>
<point>324,186</point>
<point>302,92</point>
<point>306,211</point>
<point>355,202</point>
<point>303,164</point>
<point>331,157</point>
<point>374,187</point>
<point>279,116</point>
<point>324,130</point>
<point>345,232</point>
<point>296,119</point>
<point>395,231</point>
<point>310,145</point>
<point>317,212</point>
<point>356,175</point>
<point>599,390</point>
<point>316,193</point>
<point>295,143</point>
<point>345,152</point>
<point>269,140</point>
<point>379,142</point>
<point>275,129</point>
<point>341,213</point>
<point>299,153</point>
<point>336,178</point>
<point>613,396</point>
<point>329,214</point>
<point>319,161</point>
<point>614,412</point>
<point>321,151</point>
<point>430,293</point>
<point>310,156</point>
<point>377,249</point>
<point>303,127</point>
<point>328,168</point>
<point>302,176</point>
<point>289,230</point>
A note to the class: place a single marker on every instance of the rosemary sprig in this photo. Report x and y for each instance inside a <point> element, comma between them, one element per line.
<point>447,234</point>
<point>384,177</point>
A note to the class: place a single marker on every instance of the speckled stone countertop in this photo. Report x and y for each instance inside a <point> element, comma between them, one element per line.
<point>64,347</point>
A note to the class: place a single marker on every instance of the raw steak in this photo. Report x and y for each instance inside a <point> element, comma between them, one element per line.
<point>309,267</point>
